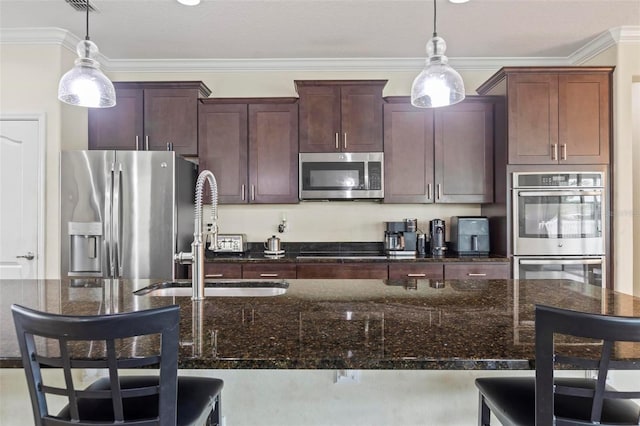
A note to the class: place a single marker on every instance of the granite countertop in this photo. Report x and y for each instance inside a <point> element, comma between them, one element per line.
<point>335,324</point>
<point>339,252</point>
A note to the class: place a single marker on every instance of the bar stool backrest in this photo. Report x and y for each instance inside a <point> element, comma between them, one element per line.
<point>108,333</point>
<point>609,329</point>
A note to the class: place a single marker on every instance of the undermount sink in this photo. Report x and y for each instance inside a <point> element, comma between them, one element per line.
<point>218,288</point>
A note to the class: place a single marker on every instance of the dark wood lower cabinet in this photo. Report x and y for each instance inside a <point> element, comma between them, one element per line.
<point>222,270</point>
<point>269,270</point>
<point>489,271</point>
<point>343,270</point>
<point>359,270</point>
<point>416,270</point>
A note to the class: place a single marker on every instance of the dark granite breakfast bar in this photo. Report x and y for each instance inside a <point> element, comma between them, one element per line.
<point>335,324</point>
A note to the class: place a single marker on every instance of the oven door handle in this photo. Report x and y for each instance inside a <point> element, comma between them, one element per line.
<point>577,192</point>
<point>564,261</point>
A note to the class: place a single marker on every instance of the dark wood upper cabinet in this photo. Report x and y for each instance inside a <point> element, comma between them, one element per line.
<point>250,144</point>
<point>408,153</point>
<point>340,115</point>
<point>149,116</point>
<point>223,148</point>
<point>442,155</point>
<point>464,152</point>
<point>556,115</point>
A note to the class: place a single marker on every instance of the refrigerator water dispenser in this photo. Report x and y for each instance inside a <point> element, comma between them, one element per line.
<point>85,248</point>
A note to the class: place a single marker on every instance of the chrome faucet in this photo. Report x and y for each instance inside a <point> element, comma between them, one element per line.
<point>197,247</point>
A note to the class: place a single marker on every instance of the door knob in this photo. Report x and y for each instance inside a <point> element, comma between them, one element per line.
<point>28,256</point>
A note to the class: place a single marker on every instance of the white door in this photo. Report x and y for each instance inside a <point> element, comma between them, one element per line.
<point>20,195</point>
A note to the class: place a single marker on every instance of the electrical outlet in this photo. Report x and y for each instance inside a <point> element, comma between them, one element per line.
<point>347,376</point>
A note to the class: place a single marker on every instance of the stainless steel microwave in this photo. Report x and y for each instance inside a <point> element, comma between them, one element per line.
<point>341,175</point>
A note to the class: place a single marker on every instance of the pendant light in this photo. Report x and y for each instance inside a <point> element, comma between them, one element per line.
<point>85,85</point>
<point>438,84</point>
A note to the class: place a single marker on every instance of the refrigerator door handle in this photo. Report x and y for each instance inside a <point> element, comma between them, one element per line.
<point>108,234</point>
<point>117,220</point>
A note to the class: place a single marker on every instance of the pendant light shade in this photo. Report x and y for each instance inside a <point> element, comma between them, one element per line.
<point>438,84</point>
<point>85,85</point>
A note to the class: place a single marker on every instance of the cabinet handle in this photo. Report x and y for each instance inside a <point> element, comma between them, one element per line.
<point>137,143</point>
<point>214,275</point>
<point>337,141</point>
<point>416,275</point>
<point>146,143</point>
<point>471,274</point>
<point>554,151</point>
<point>242,190</point>
<point>253,192</point>
<point>169,146</point>
<point>564,151</point>
<point>429,191</point>
<point>269,275</point>
<point>439,190</point>
<point>345,140</point>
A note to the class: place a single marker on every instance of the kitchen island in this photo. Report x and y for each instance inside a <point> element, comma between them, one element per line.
<point>335,324</point>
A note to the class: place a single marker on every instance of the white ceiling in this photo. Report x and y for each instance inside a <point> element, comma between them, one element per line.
<point>294,29</point>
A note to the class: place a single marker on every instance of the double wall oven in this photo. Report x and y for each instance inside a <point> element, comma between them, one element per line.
<point>559,225</point>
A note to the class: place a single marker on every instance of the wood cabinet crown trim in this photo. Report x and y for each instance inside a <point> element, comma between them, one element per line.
<point>199,85</point>
<point>490,85</point>
<point>305,83</point>
<point>468,98</point>
<point>279,100</point>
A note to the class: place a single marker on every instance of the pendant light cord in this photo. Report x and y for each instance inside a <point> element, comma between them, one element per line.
<point>86,37</point>
<point>435,33</point>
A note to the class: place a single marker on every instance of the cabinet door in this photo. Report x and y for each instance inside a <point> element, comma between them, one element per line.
<point>222,131</point>
<point>464,153</point>
<point>533,118</point>
<point>584,114</point>
<point>361,111</point>
<point>408,154</point>
<point>221,270</point>
<point>319,118</point>
<point>119,127</point>
<point>488,271</point>
<point>171,116</point>
<point>400,271</point>
<point>343,270</point>
<point>273,153</point>
<point>269,270</point>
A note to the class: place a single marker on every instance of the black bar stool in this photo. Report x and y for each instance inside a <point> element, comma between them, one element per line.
<point>49,340</point>
<point>544,400</point>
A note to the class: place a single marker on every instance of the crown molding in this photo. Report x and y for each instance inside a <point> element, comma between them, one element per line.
<point>58,36</point>
<point>606,40</point>
<point>44,36</point>
<point>315,64</point>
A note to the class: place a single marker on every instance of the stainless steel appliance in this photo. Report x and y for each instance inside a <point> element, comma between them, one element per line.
<point>124,214</point>
<point>400,238</point>
<point>231,243</point>
<point>558,213</point>
<point>341,175</point>
<point>469,235</point>
<point>559,222</point>
<point>588,270</point>
<point>437,237</point>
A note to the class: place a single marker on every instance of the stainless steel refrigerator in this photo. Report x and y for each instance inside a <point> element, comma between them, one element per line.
<point>124,213</point>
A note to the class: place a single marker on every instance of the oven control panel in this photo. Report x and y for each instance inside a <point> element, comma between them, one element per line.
<point>560,179</point>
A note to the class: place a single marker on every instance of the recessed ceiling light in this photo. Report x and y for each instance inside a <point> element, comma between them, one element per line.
<point>458,1</point>
<point>189,2</point>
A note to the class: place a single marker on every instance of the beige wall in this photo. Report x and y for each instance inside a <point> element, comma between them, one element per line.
<point>29,84</point>
<point>624,209</point>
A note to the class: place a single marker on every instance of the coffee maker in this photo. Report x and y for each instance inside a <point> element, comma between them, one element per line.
<point>436,237</point>
<point>400,238</point>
